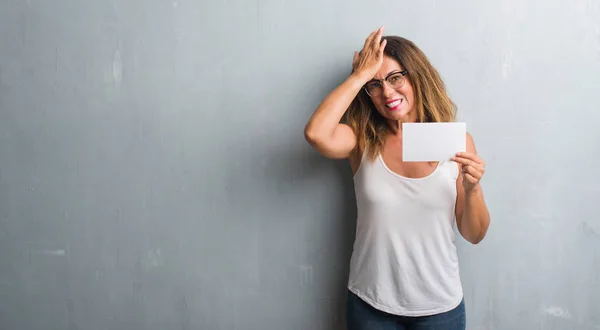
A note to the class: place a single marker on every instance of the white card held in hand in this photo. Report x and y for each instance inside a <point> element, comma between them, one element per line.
<point>429,142</point>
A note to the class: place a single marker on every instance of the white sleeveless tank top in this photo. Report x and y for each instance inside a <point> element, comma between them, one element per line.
<point>404,259</point>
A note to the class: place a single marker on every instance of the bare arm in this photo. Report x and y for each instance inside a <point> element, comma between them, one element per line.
<point>472,215</point>
<point>324,131</point>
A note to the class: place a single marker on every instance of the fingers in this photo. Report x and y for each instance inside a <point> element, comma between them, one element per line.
<point>469,160</point>
<point>370,57</point>
<point>471,179</point>
<point>377,38</point>
<point>473,171</point>
<point>471,156</point>
<point>471,175</point>
<point>374,39</point>
<point>369,39</point>
<point>382,48</point>
<point>464,161</point>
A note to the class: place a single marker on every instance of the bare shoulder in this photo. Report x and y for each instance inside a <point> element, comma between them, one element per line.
<point>470,149</point>
<point>471,144</point>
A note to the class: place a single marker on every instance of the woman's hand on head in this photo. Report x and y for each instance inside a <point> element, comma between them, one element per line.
<point>366,63</point>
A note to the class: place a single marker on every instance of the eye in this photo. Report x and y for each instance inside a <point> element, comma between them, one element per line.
<point>374,85</point>
<point>395,77</point>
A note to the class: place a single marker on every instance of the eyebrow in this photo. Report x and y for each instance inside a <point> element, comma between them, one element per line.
<point>389,74</point>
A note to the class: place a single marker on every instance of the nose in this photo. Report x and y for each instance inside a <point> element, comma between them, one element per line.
<point>387,90</point>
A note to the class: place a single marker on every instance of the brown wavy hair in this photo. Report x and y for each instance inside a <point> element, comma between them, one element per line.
<point>432,101</point>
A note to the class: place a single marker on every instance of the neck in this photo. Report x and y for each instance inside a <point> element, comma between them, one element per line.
<point>396,125</point>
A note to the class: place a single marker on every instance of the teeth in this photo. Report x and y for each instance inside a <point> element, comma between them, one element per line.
<point>393,104</point>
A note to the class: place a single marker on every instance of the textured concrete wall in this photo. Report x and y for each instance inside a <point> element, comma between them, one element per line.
<point>154,174</point>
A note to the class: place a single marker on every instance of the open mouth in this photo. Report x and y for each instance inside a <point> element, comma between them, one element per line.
<point>394,105</point>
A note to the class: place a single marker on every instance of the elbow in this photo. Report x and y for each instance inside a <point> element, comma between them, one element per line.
<point>474,235</point>
<point>312,137</point>
<point>309,135</point>
<point>476,239</point>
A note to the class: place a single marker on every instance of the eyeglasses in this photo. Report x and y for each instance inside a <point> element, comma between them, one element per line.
<point>394,80</point>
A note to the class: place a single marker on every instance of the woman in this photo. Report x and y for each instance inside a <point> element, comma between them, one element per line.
<point>404,269</point>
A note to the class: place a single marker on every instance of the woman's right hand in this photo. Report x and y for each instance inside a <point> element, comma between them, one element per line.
<point>366,63</point>
<point>324,131</point>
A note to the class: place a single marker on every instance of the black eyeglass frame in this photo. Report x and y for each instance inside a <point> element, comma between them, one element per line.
<point>381,81</point>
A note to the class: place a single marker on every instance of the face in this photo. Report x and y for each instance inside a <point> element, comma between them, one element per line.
<point>396,104</point>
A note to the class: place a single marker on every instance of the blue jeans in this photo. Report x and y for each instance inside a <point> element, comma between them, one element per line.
<point>362,316</point>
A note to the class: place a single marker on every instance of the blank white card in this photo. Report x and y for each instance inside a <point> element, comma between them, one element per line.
<point>428,142</point>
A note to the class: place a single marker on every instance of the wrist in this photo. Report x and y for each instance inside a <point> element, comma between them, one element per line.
<point>359,78</point>
<point>475,190</point>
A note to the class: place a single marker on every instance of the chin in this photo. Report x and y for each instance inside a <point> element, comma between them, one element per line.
<point>400,115</point>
